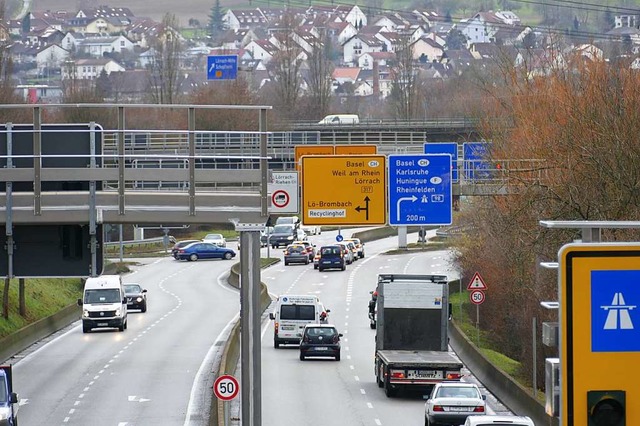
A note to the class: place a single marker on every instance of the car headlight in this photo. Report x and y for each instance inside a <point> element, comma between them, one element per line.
<point>85,313</point>
<point>118,312</point>
<point>290,238</point>
<point>139,299</point>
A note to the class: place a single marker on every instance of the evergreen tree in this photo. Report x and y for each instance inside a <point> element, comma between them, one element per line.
<point>26,23</point>
<point>216,24</point>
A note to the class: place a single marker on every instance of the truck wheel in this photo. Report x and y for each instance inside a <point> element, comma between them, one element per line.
<point>379,377</point>
<point>302,358</point>
<point>338,356</point>
<point>121,327</point>
<point>388,390</point>
<point>276,344</point>
<point>86,329</point>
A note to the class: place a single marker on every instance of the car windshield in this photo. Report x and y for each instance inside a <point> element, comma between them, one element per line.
<point>321,331</point>
<point>297,312</point>
<point>296,249</point>
<point>329,251</point>
<point>102,295</point>
<point>457,392</point>
<point>282,229</point>
<point>213,237</point>
<point>132,288</point>
<point>3,389</point>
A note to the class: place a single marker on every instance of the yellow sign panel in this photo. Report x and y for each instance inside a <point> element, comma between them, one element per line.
<point>600,328</point>
<point>300,150</point>
<point>344,190</point>
<point>356,149</point>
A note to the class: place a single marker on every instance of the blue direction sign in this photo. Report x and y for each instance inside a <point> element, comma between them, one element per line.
<point>222,67</point>
<point>420,189</point>
<point>475,165</point>
<point>450,148</point>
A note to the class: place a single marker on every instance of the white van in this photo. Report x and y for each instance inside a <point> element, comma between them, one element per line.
<point>292,313</point>
<point>103,303</point>
<point>340,119</point>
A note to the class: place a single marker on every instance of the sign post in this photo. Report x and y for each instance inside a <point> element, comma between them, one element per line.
<point>420,189</point>
<point>477,297</point>
<point>599,286</point>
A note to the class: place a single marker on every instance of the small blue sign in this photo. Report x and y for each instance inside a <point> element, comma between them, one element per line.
<point>475,165</point>
<point>615,311</point>
<point>450,148</point>
<point>339,238</point>
<point>222,67</point>
<point>420,189</point>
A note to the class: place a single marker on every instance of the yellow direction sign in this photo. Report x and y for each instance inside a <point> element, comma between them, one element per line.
<point>600,333</point>
<point>300,150</point>
<point>355,149</point>
<point>344,190</point>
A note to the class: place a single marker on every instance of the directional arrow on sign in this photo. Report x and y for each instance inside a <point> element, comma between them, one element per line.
<point>413,199</point>
<point>366,208</point>
<point>134,398</point>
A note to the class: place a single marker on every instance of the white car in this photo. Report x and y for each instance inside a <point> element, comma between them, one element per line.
<point>499,420</point>
<point>312,229</point>
<point>452,403</point>
<point>216,239</point>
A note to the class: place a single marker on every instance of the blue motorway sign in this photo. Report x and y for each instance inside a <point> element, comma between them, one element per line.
<point>445,148</point>
<point>475,166</point>
<point>222,67</point>
<point>420,189</point>
<point>615,312</point>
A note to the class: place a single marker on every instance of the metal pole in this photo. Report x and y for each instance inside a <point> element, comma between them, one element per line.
<point>402,237</point>
<point>9,204</point>
<point>92,202</point>
<point>535,375</point>
<point>121,244</point>
<point>251,385</point>
<point>460,297</point>
<point>264,166</point>
<point>37,161</point>
<point>478,325</point>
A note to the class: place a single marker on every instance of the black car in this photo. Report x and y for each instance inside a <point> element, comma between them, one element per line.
<point>180,244</point>
<point>136,297</point>
<point>331,257</point>
<point>321,340</point>
<point>282,235</point>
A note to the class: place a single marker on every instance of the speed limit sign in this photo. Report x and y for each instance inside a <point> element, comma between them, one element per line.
<point>477,297</point>
<point>226,387</point>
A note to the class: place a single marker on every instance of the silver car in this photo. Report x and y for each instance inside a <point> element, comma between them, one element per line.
<point>450,403</point>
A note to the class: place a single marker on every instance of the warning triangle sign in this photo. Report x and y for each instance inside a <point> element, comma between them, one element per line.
<point>476,283</point>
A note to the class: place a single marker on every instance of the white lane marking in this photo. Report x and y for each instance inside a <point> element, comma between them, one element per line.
<point>73,410</point>
<point>348,356</point>
<point>362,391</point>
<point>352,367</point>
<point>198,387</point>
<point>370,405</point>
<point>357,379</point>
<point>66,420</point>
<point>378,422</point>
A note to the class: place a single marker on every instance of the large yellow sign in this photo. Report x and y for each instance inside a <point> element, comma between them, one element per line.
<point>344,190</point>
<point>600,331</point>
<point>300,150</point>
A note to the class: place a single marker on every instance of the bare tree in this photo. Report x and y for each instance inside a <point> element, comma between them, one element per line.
<point>164,67</point>
<point>285,68</point>
<point>319,77</point>
<point>405,81</point>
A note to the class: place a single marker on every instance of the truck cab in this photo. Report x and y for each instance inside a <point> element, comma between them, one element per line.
<point>104,303</point>
<point>8,398</point>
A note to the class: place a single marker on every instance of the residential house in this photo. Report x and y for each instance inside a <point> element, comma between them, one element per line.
<point>100,25</point>
<point>629,33</point>
<point>340,31</point>
<point>24,55</point>
<point>345,75</point>
<point>235,19</point>
<point>389,22</point>
<point>339,13</point>
<point>366,60</point>
<point>426,49</point>
<point>481,28</point>
<point>359,44</point>
<point>98,46</point>
<point>90,69</point>
<point>393,40</point>
<point>511,35</point>
<point>50,57</point>
<point>589,52</point>
<point>263,50</point>
<point>143,30</point>
<point>380,84</point>
<point>458,60</point>
<point>539,62</point>
<point>629,21</point>
<point>235,39</point>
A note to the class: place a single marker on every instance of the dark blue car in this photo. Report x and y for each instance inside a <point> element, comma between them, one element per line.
<point>202,250</point>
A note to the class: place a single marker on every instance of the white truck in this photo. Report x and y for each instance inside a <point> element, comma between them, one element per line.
<point>412,333</point>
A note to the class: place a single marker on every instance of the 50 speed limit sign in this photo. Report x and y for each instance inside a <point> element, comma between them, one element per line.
<point>226,387</point>
<point>477,297</point>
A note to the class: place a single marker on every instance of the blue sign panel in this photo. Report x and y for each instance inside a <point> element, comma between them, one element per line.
<point>420,189</point>
<point>615,316</point>
<point>222,67</point>
<point>450,148</point>
<point>475,165</point>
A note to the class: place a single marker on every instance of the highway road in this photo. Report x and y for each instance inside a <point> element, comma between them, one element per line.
<point>321,392</point>
<point>144,375</point>
<point>156,372</point>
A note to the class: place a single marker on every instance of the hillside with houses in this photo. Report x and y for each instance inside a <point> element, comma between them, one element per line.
<point>362,57</point>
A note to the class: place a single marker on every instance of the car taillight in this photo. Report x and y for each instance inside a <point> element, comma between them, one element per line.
<point>397,374</point>
<point>479,409</point>
<point>275,328</point>
<point>438,408</point>
<point>453,375</point>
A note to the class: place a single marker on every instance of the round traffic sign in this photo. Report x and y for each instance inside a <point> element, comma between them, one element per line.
<point>339,238</point>
<point>226,387</point>
<point>477,297</point>
<point>280,198</point>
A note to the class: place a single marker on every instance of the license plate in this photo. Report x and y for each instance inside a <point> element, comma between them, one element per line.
<point>103,324</point>
<point>425,374</point>
<point>459,409</point>
<point>288,327</point>
<point>322,348</point>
